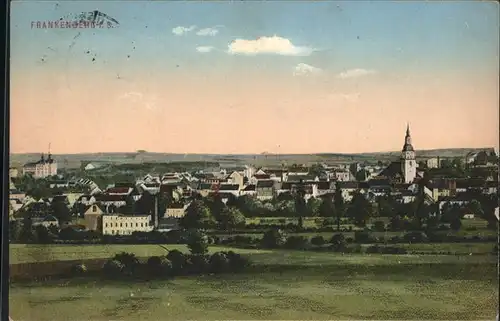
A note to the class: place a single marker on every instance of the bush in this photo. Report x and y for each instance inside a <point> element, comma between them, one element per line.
<point>78,269</point>
<point>159,265</point>
<point>362,237</point>
<point>129,262</point>
<point>395,239</point>
<point>415,237</point>
<point>379,226</point>
<point>113,268</point>
<point>318,240</point>
<point>237,262</point>
<point>273,238</point>
<point>219,263</point>
<point>338,242</point>
<point>197,263</point>
<point>178,260</point>
<point>296,242</point>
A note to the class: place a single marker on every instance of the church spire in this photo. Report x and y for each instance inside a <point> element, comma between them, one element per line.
<point>407,146</point>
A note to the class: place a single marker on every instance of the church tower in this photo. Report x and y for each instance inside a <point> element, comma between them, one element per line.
<point>408,161</point>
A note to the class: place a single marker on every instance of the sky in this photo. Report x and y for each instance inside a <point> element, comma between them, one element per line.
<point>253,77</point>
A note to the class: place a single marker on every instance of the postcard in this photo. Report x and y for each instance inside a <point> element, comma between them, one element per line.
<point>253,160</point>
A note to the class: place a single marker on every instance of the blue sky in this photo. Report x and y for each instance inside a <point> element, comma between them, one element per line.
<point>383,35</point>
<point>358,70</point>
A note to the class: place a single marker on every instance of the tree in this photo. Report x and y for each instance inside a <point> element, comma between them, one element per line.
<point>198,243</point>
<point>360,210</point>
<point>456,223</point>
<point>230,218</point>
<point>300,204</point>
<point>326,208</point>
<point>313,205</point>
<point>61,211</point>
<point>129,207</point>
<point>197,216</point>
<point>386,206</point>
<point>146,204</point>
<point>42,235</point>
<point>476,208</point>
<point>27,235</point>
<point>316,170</point>
<point>274,238</point>
<point>339,205</point>
<point>15,230</point>
<point>215,205</point>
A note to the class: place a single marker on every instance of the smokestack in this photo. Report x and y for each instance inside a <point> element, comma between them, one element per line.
<point>156,211</point>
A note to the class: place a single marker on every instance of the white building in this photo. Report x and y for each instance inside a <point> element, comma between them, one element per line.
<point>41,169</point>
<point>433,162</point>
<point>119,224</point>
<point>408,162</point>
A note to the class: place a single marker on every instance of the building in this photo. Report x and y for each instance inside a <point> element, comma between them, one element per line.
<point>177,210</point>
<point>46,221</point>
<point>433,162</point>
<point>93,217</point>
<point>404,170</point>
<point>120,224</point>
<point>264,189</point>
<point>13,172</point>
<point>41,169</point>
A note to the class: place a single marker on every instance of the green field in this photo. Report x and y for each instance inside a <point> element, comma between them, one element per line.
<point>314,286</point>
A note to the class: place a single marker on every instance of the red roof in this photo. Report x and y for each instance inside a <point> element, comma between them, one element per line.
<point>262,176</point>
<point>110,198</point>
<point>118,190</point>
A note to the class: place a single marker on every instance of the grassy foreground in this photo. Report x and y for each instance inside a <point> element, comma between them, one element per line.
<point>305,286</point>
<point>27,253</point>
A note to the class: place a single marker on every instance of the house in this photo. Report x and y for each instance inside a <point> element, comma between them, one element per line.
<point>324,188</point>
<point>491,187</point>
<point>42,168</point>
<point>237,179</point>
<point>15,194</point>
<point>264,189</point>
<point>342,175</point>
<point>92,217</point>
<point>233,189</point>
<point>248,190</point>
<point>89,167</point>
<point>433,162</point>
<point>13,172</point>
<point>469,216</point>
<point>115,200</point>
<point>122,191</point>
<point>120,224</point>
<point>348,189</point>
<point>176,210</point>
<point>46,221</point>
<point>442,188</point>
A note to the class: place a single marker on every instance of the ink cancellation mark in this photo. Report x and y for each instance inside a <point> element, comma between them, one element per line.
<point>86,20</point>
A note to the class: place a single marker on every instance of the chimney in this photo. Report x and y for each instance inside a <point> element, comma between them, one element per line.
<point>156,211</point>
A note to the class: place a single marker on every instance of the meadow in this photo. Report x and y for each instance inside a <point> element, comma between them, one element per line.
<point>283,284</point>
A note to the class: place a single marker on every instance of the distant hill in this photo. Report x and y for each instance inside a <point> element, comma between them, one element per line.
<point>75,160</point>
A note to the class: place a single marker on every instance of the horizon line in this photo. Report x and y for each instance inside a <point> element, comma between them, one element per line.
<point>260,154</point>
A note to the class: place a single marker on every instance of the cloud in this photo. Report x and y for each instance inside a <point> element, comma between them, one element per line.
<point>354,73</point>
<point>179,30</point>
<point>204,49</point>
<point>207,32</point>
<point>304,69</point>
<point>268,45</point>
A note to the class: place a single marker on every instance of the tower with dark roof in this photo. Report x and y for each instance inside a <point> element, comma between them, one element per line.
<point>408,161</point>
